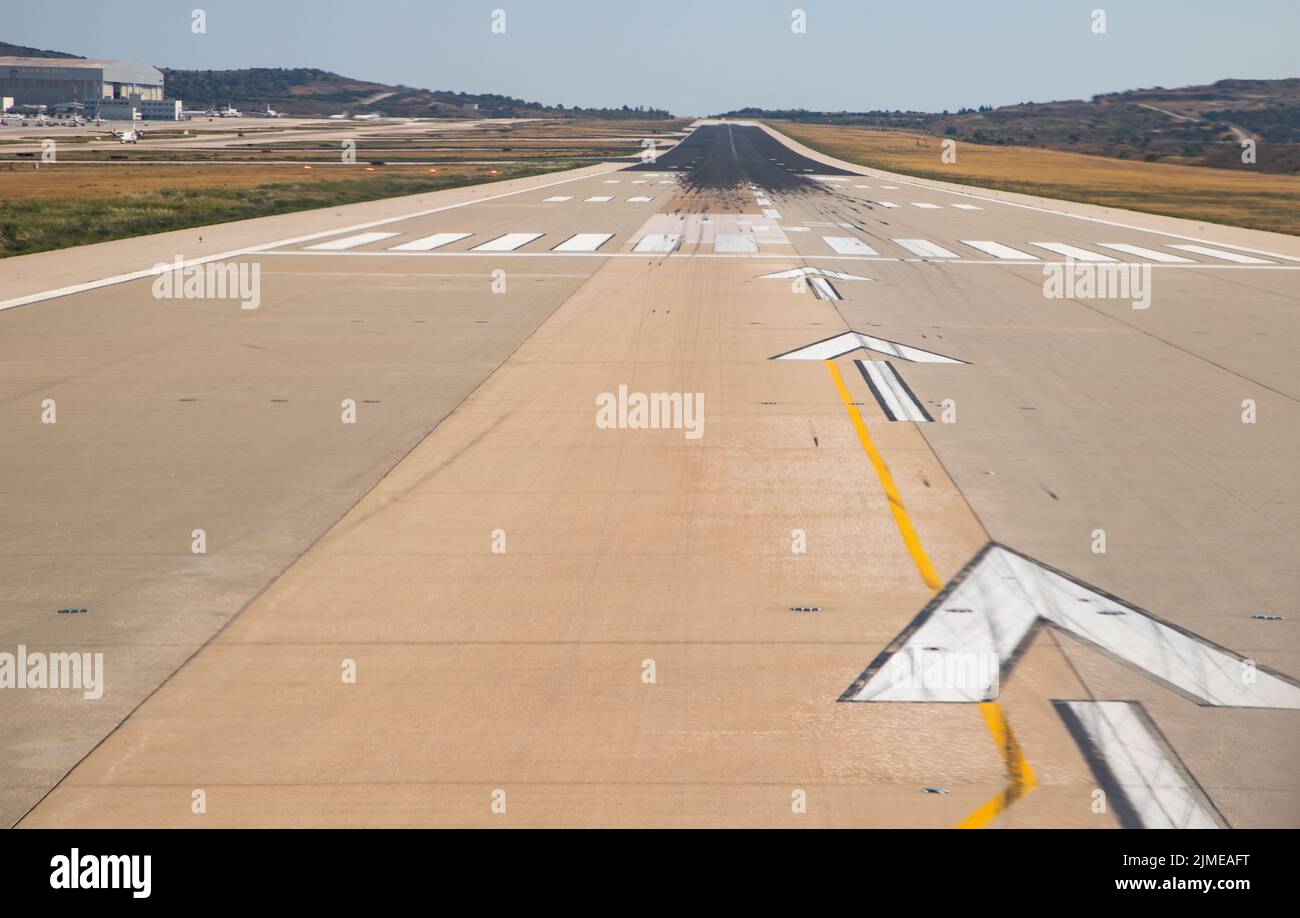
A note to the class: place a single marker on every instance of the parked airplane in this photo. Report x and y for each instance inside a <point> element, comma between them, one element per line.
<point>131,136</point>
<point>229,112</point>
<point>373,116</point>
<point>342,116</point>
<point>269,113</point>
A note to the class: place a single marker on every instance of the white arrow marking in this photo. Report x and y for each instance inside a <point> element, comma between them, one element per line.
<point>996,603</point>
<point>1145,787</point>
<point>892,394</point>
<point>811,272</point>
<point>848,342</point>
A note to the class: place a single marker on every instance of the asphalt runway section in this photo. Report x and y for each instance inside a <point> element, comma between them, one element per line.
<point>723,156</point>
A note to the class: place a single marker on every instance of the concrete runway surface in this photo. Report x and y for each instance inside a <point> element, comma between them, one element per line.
<point>478,606</point>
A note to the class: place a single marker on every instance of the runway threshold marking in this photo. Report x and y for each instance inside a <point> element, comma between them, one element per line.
<point>1019,771</point>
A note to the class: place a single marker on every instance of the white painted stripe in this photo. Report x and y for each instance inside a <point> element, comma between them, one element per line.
<point>507,243</point>
<point>1148,254</point>
<point>851,341</point>
<point>967,207</point>
<point>861,186</point>
<point>762,202</point>
<point>998,250</point>
<point>886,204</point>
<point>1153,786</point>
<point>735,242</point>
<point>611,181</point>
<point>556,199</point>
<point>890,187</point>
<point>640,199</point>
<point>429,243</point>
<point>583,242</point>
<point>599,199</point>
<point>926,249</point>
<point>823,289</point>
<point>640,181</point>
<point>771,213</point>
<point>924,205</point>
<point>887,386</point>
<point>351,242</point>
<point>1071,251</point>
<point>848,245</point>
<point>1005,596</point>
<point>1218,253</point>
<point>658,242</point>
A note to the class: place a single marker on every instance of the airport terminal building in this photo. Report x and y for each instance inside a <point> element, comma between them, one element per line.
<point>51,82</point>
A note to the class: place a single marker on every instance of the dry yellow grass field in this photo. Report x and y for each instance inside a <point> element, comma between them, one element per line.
<point>23,182</point>
<point>1236,198</point>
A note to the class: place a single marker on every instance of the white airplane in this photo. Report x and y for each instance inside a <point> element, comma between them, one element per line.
<point>229,112</point>
<point>269,113</point>
<point>373,116</point>
<point>199,113</point>
<point>343,116</point>
<point>131,136</point>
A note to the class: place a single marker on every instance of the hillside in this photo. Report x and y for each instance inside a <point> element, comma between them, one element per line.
<point>1192,125</point>
<point>8,50</point>
<point>304,91</point>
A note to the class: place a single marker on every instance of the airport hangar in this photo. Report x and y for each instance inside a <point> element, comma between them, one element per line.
<point>101,86</point>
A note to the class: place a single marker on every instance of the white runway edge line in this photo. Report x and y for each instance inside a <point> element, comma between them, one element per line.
<point>1236,257</point>
<point>351,242</point>
<point>849,245</point>
<point>115,279</point>
<point>1000,599</point>
<point>1148,254</point>
<point>892,394</point>
<point>507,243</point>
<point>1135,766</point>
<point>1070,251</point>
<point>583,242</point>
<point>998,250</point>
<point>926,249</point>
<point>557,199</point>
<point>599,199</point>
<point>429,243</point>
<point>925,206</point>
<point>885,204</point>
<point>967,207</point>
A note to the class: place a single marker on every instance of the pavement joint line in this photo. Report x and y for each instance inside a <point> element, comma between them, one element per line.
<point>298,240</point>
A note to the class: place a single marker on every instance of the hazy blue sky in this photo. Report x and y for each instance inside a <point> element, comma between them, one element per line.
<point>701,56</point>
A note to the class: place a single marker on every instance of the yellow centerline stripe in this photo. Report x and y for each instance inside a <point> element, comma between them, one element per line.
<point>905,527</point>
<point>1018,768</point>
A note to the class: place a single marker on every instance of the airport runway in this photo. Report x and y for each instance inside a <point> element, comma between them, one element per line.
<point>554,623</point>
